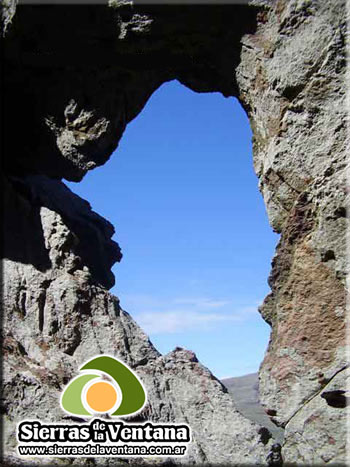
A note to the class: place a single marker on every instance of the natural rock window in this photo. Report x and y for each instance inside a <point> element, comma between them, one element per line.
<point>74,78</point>
<point>183,196</point>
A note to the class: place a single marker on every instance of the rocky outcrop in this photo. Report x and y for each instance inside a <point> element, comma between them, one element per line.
<point>8,9</point>
<point>58,316</point>
<point>317,433</point>
<point>292,80</point>
<point>68,99</point>
<point>82,89</point>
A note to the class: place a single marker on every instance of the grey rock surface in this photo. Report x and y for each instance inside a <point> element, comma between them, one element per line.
<point>8,10</point>
<point>317,432</point>
<point>68,98</point>
<point>292,78</point>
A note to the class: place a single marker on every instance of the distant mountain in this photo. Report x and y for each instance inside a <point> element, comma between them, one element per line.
<point>245,392</point>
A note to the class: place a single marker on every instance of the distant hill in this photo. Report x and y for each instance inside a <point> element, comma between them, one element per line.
<point>245,393</point>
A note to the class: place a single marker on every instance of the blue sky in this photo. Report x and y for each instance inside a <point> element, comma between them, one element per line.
<point>183,197</point>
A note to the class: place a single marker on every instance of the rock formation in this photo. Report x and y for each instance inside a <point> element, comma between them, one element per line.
<point>68,97</point>
<point>58,316</point>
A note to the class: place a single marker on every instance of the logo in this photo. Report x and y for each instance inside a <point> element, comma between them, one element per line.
<point>106,385</point>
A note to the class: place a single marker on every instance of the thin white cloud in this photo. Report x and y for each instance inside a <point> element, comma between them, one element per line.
<point>151,302</point>
<point>178,321</point>
<point>174,315</point>
<point>201,302</point>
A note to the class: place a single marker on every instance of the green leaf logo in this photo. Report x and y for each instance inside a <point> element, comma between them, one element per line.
<point>112,387</point>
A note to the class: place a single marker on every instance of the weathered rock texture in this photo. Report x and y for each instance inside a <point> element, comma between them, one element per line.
<point>292,82</point>
<point>8,9</point>
<point>74,77</point>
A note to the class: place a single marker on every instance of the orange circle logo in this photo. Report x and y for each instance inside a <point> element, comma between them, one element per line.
<point>101,396</point>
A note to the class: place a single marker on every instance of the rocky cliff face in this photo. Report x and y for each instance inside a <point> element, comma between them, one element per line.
<point>68,98</point>
<point>292,80</point>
